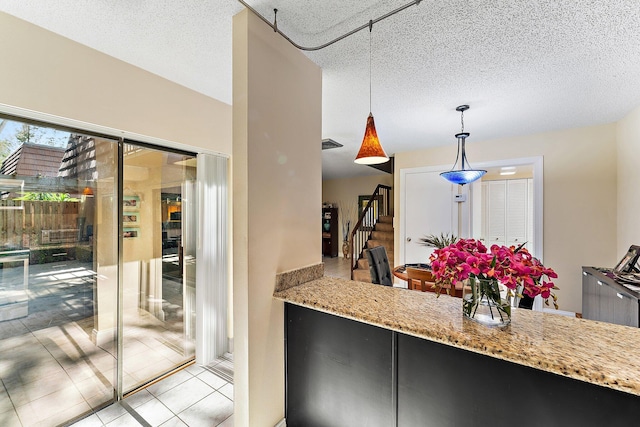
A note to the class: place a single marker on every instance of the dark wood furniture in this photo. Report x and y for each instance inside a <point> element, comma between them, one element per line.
<point>420,279</point>
<point>608,300</point>
<point>330,239</point>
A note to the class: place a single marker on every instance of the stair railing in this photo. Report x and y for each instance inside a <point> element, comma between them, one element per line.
<point>379,204</point>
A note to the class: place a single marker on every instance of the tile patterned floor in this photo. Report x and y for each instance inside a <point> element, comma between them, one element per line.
<point>51,370</point>
<point>337,267</point>
<point>193,397</point>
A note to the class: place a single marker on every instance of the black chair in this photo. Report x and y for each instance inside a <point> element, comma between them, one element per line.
<point>526,302</point>
<point>379,266</point>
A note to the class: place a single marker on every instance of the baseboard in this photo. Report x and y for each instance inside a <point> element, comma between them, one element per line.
<point>281,423</point>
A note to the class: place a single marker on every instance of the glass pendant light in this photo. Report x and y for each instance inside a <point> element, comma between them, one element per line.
<point>465,174</point>
<point>371,152</point>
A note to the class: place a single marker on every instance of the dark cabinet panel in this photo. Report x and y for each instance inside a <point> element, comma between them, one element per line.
<point>443,386</point>
<point>605,300</point>
<point>338,371</point>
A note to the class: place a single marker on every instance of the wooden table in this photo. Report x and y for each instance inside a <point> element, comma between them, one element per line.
<point>401,273</point>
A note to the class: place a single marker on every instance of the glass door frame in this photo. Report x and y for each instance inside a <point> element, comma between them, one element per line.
<point>120,331</point>
<point>96,131</point>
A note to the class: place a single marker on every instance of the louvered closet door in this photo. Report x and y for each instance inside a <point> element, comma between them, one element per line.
<point>517,209</point>
<point>496,207</point>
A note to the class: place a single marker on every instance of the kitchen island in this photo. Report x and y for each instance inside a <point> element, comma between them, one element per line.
<point>363,354</point>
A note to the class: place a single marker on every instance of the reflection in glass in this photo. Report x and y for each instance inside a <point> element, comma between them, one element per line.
<point>58,269</point>
<point>157,289</point>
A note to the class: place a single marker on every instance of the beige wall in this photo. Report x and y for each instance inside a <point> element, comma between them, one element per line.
<point>47,73</point>
<point>628,139</point>
<point>579,195</point>
<point>346,190</point>
<point>277,117</point>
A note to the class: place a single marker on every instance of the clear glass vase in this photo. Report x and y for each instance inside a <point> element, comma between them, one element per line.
<point>483,303</point>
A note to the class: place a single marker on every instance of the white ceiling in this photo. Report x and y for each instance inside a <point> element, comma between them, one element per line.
<point>523,66</point>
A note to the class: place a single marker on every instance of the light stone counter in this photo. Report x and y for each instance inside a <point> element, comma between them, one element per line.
<point>595,352</point>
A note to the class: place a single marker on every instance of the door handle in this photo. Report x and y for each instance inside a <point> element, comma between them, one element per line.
<point>622,296</point>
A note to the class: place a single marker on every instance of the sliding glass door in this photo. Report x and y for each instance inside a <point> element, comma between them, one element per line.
<point>158,287</point>
<point>58,273</point>
<point>97,269</point>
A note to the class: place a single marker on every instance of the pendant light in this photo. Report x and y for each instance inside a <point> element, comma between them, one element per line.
<point>465,174</point>
<point>371,152</point>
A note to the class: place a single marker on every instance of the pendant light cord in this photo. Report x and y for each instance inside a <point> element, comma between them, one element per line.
<point>274,26</point>
<point>370,28</point>
<point>461,142</point>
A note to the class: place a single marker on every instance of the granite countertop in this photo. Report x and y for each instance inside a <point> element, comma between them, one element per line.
<point>586,350</point>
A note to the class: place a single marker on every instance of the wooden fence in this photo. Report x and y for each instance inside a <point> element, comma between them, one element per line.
<point>39,225</point>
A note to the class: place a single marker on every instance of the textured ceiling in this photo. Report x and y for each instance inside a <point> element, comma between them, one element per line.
<point>523,66</point>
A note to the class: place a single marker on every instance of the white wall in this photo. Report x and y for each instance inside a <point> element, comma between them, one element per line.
<point>580,195</point>
<point>277,117</point>
<point>628,139</point>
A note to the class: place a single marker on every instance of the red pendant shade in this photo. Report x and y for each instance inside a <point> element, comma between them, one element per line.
<point>371,152</point>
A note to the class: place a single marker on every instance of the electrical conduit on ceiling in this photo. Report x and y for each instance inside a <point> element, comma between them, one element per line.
<point>274,26</point>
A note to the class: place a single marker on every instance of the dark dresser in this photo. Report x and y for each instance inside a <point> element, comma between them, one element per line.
<point>609,300</point>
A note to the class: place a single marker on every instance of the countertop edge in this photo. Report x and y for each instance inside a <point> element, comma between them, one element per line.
<point>470,336</point>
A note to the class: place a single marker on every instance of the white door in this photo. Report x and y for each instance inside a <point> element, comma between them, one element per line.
<point>517,212</point>
<point>428,209</point>
<point>496,213</point>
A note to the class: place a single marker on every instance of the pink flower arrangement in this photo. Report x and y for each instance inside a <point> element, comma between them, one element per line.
<point>511,266</point>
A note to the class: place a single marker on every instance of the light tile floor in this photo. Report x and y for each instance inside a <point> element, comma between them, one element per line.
<point>51,371</point>
<point>337,267</point>
<point>194,397</point>
<point>340,267</point>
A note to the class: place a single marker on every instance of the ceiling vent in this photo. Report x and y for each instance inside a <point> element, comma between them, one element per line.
<point>328,144</point>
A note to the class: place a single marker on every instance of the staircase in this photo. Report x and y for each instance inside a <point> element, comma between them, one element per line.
<point>373,228</point>
<point>382,235</point>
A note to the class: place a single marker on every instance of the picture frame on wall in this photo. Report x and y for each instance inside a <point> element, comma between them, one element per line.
<point>369,220</point>
<point>130,232</point>
<point>131,217</point>
<point>130,202</point>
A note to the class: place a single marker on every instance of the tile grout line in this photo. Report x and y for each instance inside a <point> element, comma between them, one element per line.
<point>135,414</point>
